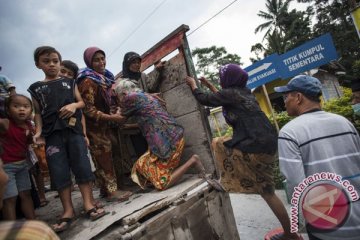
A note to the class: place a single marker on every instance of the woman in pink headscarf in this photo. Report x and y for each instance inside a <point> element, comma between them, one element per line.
<point>101,114</point>
<point>246,159</point>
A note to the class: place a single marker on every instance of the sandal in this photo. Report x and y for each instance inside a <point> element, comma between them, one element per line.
<point>122,198</point>
<point>62,227</point>
<point>93,213</point>
<point>99,204</point>
<point>43,203</point>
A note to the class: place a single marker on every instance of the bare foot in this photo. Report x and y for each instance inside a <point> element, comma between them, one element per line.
<point>199,166</point>
<point>119,196</point>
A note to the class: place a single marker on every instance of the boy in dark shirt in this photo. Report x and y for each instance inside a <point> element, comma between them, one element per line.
<point>57,104</point>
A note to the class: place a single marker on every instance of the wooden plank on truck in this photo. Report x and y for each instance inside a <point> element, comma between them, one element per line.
<point>139,205</point>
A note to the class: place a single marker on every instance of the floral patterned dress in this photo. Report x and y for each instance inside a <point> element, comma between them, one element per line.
<point>163,135</point>
<point>99,99</point>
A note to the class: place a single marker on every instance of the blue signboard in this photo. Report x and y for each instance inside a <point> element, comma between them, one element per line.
<point>263,71</point>
<point>309,55</point>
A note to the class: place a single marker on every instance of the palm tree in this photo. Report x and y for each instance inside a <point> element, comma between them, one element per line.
<point>276,11</point>
<point>289,30</point>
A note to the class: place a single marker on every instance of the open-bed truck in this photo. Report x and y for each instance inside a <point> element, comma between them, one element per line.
<point>190,210</point>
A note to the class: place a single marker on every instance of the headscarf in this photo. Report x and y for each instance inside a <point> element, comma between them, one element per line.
<point>106,79</point>
<point>89,54</point>
<point>125,87</point>
<point>231,75</point>
<point>128,59</point>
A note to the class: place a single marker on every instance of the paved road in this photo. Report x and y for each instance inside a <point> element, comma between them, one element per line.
<point>253,216</point>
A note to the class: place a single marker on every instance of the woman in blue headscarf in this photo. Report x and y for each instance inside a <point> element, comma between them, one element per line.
<point>101,114</point>
<point>246,159</point>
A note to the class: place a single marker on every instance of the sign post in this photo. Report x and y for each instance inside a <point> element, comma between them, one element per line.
<point>263,71</point>
<point>307,56</point>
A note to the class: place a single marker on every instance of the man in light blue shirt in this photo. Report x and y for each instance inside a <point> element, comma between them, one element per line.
<point>319,154</point>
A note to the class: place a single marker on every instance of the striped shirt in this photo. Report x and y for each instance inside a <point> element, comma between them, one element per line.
<point>317,142</point>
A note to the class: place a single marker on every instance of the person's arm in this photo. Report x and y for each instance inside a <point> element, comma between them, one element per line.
<point>208,99</point>
<point>83,124</point>
<point>4,125</point>
<point>87,88</point>
<point>69,109</point>
<point>208,84</point>
<point>290,161</point>
<point>158,76</point>
<point>38,123</point>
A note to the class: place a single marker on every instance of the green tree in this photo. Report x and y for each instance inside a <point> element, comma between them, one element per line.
<point>209,60</point>
<point>334,16</point>
<point>290,29</point>
<point>274,15</point>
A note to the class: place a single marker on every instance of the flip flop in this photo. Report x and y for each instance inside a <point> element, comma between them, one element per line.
<point>64,227</point>
<point>99,204</point>
<point>93,213</point>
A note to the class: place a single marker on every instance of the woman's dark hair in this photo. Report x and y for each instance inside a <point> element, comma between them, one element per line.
<point>44,50</point>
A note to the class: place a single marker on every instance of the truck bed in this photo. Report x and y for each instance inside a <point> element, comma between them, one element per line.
<point>124,215</point>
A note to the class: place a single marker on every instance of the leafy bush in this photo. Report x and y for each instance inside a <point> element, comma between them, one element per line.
<point>282,118</point>
<point>342,106</point>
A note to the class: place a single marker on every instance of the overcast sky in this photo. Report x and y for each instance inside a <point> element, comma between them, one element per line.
<point>73,25</point>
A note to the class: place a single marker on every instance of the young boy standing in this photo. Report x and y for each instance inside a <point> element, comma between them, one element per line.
<point>57,104</point>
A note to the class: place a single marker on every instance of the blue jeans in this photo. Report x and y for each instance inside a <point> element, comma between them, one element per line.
<point>19,179</point>
<point>67,150</point>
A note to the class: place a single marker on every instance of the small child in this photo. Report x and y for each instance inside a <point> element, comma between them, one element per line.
<point>15,137</point>
<point>57,104</point>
